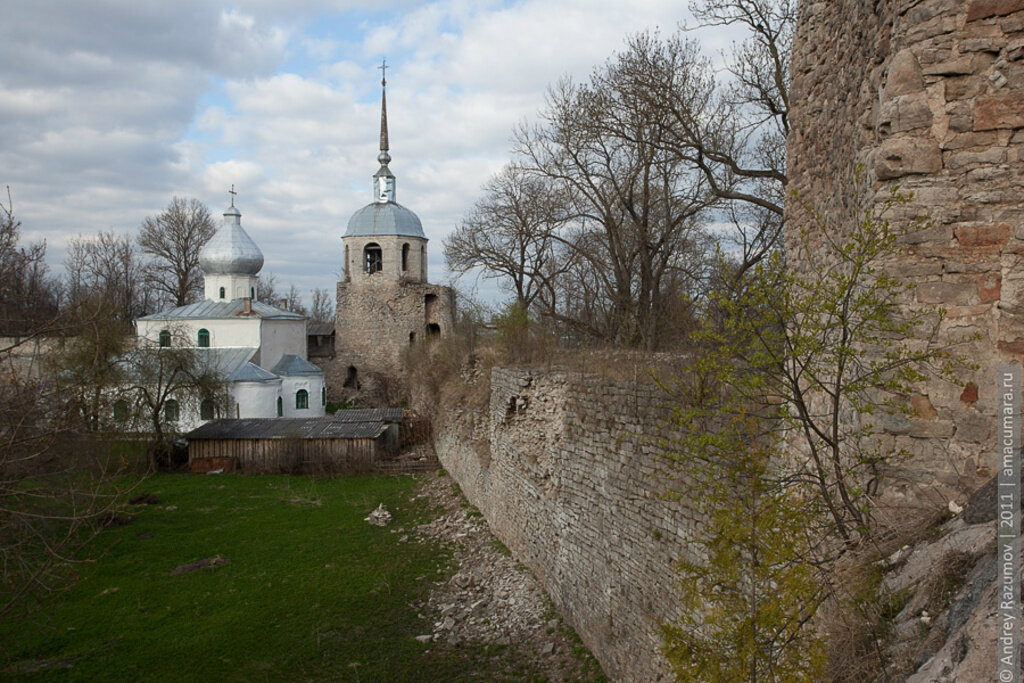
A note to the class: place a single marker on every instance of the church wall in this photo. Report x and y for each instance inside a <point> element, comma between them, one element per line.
<point>254,399</point>
<point>225,332</point>
<point>927,96</point>
<point>314,388</point>
<point>280,337</point>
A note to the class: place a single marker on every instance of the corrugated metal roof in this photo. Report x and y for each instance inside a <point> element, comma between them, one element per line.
<point>209,308</point>
<point>224,361</point>
<point>369,414</point>
<point>291,365</point>
<point>287,428</point>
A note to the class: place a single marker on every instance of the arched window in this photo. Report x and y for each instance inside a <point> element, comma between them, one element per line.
<point>301,399</point>
<point>405,256</point>
<point>221,292</point>
<point>323,396</point>
<point>207,409</point>
<point>373,260</point>
<point>165,338</point>
<point>204,338</point>
<point>171,411</point>
<point>280,406</point>
<point>121,411</point>
<point>252,292</point>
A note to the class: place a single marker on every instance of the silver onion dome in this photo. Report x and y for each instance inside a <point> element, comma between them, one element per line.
<point>231,251</point>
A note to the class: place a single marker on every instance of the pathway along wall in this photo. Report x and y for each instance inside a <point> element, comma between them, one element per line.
<point>927,95</point>
<point>565,477</point>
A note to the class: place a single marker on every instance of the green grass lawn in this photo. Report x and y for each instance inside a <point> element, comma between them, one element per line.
<point>310,591</point>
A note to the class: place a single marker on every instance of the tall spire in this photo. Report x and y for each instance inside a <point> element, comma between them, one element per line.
<point>383,179</point>
<point>383,113</point>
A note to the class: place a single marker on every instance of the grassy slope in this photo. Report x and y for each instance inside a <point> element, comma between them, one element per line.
<point>311,591</point>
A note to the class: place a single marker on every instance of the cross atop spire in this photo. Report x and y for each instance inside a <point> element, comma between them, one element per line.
<point>383,115</point>
<point>232,193</point>
<point>383,180</point>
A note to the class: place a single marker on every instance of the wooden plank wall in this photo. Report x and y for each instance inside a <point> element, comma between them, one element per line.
<point>286,456</point>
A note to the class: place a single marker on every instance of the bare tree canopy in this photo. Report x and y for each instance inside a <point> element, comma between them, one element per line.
<point>28,296</point>
<point>510,233</point>
<point>323,307</point>
<point>109,267</point>
<point>173,239</point>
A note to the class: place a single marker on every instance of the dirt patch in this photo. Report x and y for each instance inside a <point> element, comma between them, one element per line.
<point>492,599</point>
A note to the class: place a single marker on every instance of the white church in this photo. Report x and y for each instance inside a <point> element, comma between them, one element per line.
<point>259,349</point>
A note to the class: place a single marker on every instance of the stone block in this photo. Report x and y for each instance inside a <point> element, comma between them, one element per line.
<point>898,157</point>
<point>989,287</point>
<point>948,293</point>
<point>1004,111</point>
<point>973,427</point>
<point>962,65</point>
<point>937,429</point>
<point>984,9</point>
<point>983,235</point>
<point>923,407</point>
<point>905,75</point>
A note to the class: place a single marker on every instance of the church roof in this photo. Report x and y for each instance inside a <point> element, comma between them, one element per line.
<point>250,372</point>
<point>381,218</point>
<point>291,365</point>
<point>231,251</point>
<point>209,309</point>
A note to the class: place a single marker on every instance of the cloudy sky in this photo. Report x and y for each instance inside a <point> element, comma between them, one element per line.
<point>109,108</point>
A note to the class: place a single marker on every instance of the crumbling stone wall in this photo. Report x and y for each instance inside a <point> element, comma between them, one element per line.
<point>570,479</point>
<point>927,95</point>
<point>376,322</point>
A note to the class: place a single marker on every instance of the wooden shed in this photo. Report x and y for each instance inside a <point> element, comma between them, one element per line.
<point>349,441</point>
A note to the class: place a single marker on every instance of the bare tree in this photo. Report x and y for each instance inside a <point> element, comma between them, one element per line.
<point>511,233</point>
<point>108,266</point>
<point>174,239</point>
<point>733,130</point>
<point>28,296</point>
<point>160,383</point>
<point>602,146</point>
<point>266,288</point>
<point>323,307</point>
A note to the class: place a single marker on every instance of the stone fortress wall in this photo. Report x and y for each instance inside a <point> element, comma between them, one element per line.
<point>565,469</point>
<point>926,95</point>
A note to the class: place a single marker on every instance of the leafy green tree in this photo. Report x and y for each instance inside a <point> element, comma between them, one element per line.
<point>774,433</point>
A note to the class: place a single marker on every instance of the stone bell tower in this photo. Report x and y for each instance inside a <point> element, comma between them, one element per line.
<point>385,304</point>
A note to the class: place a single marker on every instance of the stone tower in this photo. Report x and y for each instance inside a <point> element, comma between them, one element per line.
<point>926,95</point>
<point>385,304</point>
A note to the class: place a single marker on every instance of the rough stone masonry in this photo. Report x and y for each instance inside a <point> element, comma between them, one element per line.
<point>926,95</point>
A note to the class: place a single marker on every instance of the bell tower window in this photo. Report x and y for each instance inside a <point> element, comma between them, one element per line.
<point>372,258</point>
<point>405,256</point>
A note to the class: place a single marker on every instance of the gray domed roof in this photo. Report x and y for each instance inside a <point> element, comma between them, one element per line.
<point>231,251</point>
<point>384,218</point>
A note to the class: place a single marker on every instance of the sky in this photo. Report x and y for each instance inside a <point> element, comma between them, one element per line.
<point>109,108</point>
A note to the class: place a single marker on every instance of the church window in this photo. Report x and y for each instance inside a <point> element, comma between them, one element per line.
<point>252,292</point>
<point>323,396</point>
<point>405,257</point>
<point>372,258</point>
<point>301,399</point>
<point>207,409</point>
<point>121,411</point>
<point>204,338</point>
<point>165,338</point>
<point>280,406</point>
<point>171,411</point>
<point>221,292</point>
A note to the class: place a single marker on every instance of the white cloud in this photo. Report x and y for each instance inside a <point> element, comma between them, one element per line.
<point>108,109</point>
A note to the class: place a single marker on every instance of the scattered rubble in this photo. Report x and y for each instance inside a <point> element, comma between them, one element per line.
<point>380,516</point>
<point>492,598</point>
